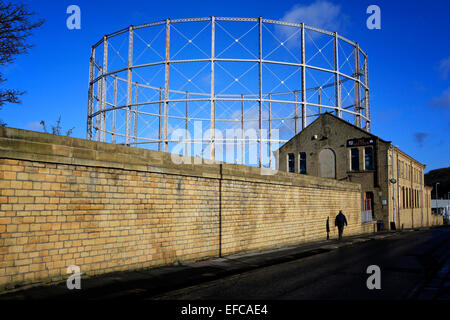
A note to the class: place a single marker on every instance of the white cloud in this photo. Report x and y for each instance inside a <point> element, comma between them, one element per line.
<point>444,68</point>
<point>34,126</point>
<point>319,14</point>
<point>443,102</point>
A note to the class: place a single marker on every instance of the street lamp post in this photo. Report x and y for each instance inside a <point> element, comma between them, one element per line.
<point>437,209</point>
<point>393,181</point>
<point>448,200</point>
<point>436,190</point>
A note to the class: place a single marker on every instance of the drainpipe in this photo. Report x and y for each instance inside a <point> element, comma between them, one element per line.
<point>398,195</point>
<point>393,181</point>
<point>421,195</point>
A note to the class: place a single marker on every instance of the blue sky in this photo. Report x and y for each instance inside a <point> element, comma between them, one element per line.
<point>409,61</point>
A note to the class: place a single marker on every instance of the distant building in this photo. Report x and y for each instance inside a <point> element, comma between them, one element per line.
<point>393,190</point>
<point>440,207</point>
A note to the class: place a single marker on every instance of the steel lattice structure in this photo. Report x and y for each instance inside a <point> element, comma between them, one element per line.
<point>247,74</point>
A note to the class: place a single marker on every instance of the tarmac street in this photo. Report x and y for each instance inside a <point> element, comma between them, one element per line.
<point>402,265</point>
<point>407,263</point>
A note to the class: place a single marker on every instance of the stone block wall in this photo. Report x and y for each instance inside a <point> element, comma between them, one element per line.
<point>103,207</point>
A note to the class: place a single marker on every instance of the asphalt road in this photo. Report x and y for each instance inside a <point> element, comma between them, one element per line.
<point>407,261</point>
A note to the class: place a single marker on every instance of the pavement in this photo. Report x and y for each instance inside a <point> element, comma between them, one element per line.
<point>153,282</point>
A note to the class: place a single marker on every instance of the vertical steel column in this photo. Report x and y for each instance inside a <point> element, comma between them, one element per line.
<point>319,97</point>
<point>135,113</point>
<point>260,93</point>
<point>166,88</point>
<point>303,79</point>
<point>97,124</point>
<point>103,97</point>
<point>340,97</point>
<point>115,110</point>
<point>242,129</point>
<point>295,112</point>
<point>90,94</point>
<point>356,76</point>
<point>187,124</point>
<point>213,102</point>
<point>366,95</point>
<point>160,120</point>
<point>270,130</point>
<point>129,86</point>
<point>337,87</point>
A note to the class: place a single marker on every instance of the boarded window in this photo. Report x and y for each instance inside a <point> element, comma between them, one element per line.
<point>327,160</point>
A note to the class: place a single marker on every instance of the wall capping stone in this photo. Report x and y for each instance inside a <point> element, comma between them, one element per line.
<point>36,146</point>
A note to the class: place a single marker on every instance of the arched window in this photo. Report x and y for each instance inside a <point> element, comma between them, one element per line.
<point>407,197</point>
<point>410,197</point>
<point>327,160</point>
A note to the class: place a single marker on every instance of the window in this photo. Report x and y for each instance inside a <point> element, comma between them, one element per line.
<point>400,169</point>
<point>417,199</point>
<point>291,162</point>
<point>302,156</point>
<point>410,197</point>
<point>368,155</point>
<point>402,174</point>
<point>407,197</point>
<point>354,159</point>
<point>403,197</point>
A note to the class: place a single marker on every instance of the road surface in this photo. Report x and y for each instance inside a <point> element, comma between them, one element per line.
<point>407,262</point>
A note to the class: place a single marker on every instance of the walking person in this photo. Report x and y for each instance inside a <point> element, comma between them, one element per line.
<point>340,222</point>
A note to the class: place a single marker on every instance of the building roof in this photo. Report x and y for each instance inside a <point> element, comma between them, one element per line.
<point>329,114</point>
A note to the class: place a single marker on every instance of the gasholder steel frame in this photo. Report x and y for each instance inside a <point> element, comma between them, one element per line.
<point>99,108</point>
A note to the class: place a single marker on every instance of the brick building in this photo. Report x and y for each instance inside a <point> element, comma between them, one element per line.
<point>392,182</point>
